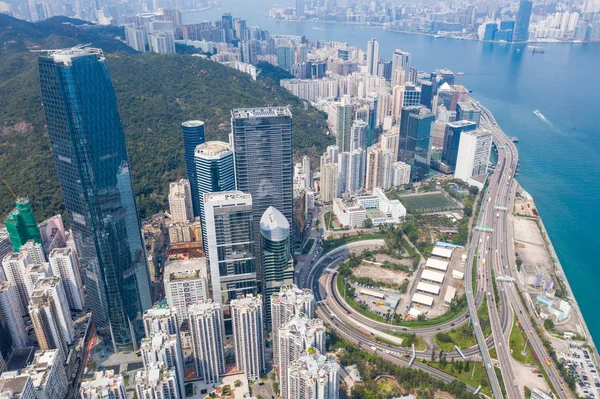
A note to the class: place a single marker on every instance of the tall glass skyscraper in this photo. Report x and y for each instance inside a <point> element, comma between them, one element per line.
<point>417,149</point>
<point>276,256</point>
<point>262,141</point>
<point>522,24</point>
<point>193,136</point>
<point>89,149</point>
<point>215,172</point>
<point>452,140</point>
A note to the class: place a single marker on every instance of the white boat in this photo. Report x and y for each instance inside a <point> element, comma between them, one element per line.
<point>460,73</point>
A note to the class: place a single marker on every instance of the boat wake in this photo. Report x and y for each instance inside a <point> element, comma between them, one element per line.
<point>541,116</point>
<point>316,28</point>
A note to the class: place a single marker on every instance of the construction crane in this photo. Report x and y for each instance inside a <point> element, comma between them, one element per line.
<point>10,189</point>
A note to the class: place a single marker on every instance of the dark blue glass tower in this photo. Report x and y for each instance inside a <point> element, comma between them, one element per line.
<point>452,140</point>
<point>88,144</point>
<point>193,136</point>
<point>522,24</point>
<point>417,146</point>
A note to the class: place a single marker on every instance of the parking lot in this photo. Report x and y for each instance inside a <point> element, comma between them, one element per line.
<point>579,360</point>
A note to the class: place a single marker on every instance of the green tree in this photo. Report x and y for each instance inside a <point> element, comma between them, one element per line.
<point>548,325</point>
<point>368,223</point>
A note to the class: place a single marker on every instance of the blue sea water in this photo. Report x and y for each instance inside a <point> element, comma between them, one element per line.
<point>559,154</point>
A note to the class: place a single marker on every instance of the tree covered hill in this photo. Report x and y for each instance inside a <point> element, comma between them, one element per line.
<point>155,94</point>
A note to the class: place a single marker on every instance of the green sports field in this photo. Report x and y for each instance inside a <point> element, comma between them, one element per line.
<point>424,203</point>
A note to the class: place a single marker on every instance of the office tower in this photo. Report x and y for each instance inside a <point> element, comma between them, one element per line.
<point>105,385</point>
<point>48,374</point>
<point>16,386</point>
<point>445,76</point>
<point>406,111</point>
<point>522,24</point>
<point>50,292</point>
<point>468,112</point>
<point>400,67</point>
<point>91,158</point>
<point>263,160</point>
<point>161,42</point>
<point>247,318</point>
<point>230,244</point>
<point>343,124</point>
<point>157,320</point>
<point>180,201</point>
<point>286,304</point>
<point>294,338</point>
<point>206,324</point>
<point>473,156</point>
<point>12,311</point>
<point>490,31</point>
<point>329,180</point>
<point>400,173</point>
<point>193,136</point>
<point>64,265</point>
<point>14,266</point>
<point>227,25</point>
<point>359,135</point>
<point>307,173</point>
<point>314,376</point>
<point>157,381</point>
<point>215,172</point>
<point>164,348</point>
<point>452,140</point>
<point>34,273</point>
<point>185,283</point>
<point>276,256</point>
<point>21,225</point>
<point>372,56</point>
<point>53,233</point>
<point>35,251</point>
<point>417,150</point>
<point>300,9</point>
<point>136,37</point>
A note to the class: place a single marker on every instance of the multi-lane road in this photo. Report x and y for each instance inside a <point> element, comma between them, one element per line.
<point>490,248</point>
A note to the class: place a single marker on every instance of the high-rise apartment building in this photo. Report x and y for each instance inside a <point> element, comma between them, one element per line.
<point>264,164</point>
<point>105,385</point>
<point>294,338</point>
<point>11,310</point>
<point>14,266</point>
<point>157,381</point>
<point>286,304</point>
<point>159,319</point>
<point>35,251</point>
<point>276,256</point>
<point>136,37</point>
<point>452,140</point>
<point>400,173</point>
<point>230,246</point>
<point>300,13</point>
<point>64,265</point>
<point>343,124</point>
<point>247,319</point>
<point>34,273</point>
<point>53,233</point>
<point>180,201</point>
<point>372,56</point>
<point>17,386</point>
<point>48,374</point>
<point>161,42</point>
<point>89,149</point>
<point>215,172</point>
<point>522,24</point>
<point>193,136</point>
<point>52,325</point>
<point>314,376</point>
<point>307,173</point>
<point>163,348</point>
<point>329,180</point>
<point>473,157</point>
<point>21,225</point>
<point>359,133</point>
<point>400,67</point>
<point>206,325</point>
<point>186,283</point>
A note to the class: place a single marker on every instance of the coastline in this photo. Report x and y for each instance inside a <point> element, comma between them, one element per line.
<point>434,35</point>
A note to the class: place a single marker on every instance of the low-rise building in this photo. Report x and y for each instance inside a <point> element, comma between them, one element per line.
<point>349,212</point>
<point>104,385</point>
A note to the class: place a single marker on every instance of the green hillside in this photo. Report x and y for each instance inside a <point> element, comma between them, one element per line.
<point>155,94</point>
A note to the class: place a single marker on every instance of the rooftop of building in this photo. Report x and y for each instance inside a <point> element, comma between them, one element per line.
<point>192,123</point>
<point>226,196</point>
<point>460,88</point>
<point>267,112</point>
<point>467,106</point>
<point>103,379</point>
<point>247,302</point>
<point>273,225</point>
<point>61,252</point>
<point>461,123</point>
<point>13,382</point>
<point>185,250</point>
<point>349,204</point>
<point>213,149</point>
<point>185,269</point>
<point>66,56</point>
<point>204,307</point>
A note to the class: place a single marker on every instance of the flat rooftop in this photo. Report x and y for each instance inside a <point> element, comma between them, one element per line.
<point>185,269</point>
<point>268,112</point>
